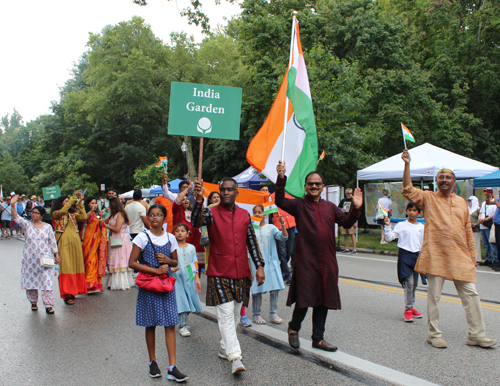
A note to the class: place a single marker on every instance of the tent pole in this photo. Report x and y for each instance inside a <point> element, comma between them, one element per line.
<point>357,186</point>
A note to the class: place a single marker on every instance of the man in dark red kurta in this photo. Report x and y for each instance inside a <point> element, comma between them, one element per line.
<point>315,275</point>
<point>230,233</point>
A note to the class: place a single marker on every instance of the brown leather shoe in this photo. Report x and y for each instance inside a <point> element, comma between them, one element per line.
<point>293,339</point>
<point>324,345</point>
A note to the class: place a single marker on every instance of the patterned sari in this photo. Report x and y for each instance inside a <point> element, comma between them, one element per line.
<point>95,253</point>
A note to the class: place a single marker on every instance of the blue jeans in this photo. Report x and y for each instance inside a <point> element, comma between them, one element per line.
<point>183,319</point>
<point>257,303</point>
<point>485,234</point>
<point>285,249</point>
<point>494,252</point>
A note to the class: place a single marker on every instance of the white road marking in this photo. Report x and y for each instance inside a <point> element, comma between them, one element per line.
<point>357,364</point>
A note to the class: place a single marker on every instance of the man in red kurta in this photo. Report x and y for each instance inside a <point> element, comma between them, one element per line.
<point>228,275</point>
<point>315,275</point>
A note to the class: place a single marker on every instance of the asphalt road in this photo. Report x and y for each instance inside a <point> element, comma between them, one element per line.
<point>96,341</point>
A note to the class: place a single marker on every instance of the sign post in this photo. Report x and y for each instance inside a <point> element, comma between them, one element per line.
<point>204,111</point>
<point>51,192</point>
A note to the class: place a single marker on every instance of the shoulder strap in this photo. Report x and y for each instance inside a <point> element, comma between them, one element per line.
<point>149,238</point>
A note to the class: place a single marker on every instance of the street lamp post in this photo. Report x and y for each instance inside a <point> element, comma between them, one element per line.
<point>184,149</point>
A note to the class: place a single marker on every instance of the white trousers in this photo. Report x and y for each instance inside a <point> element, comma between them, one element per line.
<point>470,301</point>
<point>228,315</point>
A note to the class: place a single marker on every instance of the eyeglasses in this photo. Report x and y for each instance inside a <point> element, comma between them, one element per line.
<point>348,193</point>
<point>32,213</point>
<point>222,190</point>
<point>310,184</point>
<point>159,215</point>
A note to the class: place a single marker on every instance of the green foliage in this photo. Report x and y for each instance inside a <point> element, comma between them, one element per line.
<point>148,176</point>
<point>12,176</point>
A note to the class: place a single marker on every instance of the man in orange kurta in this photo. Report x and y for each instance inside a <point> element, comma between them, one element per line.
<point>448,253</point>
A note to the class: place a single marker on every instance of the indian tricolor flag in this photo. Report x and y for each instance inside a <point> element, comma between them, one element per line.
<point>256,222</point>
<point>270,207</point>
<point>246,199</point>
<point>407,134</point>
<point>384,211</point>
<point>192,269</point>
<point>163,162</point>
<point>301,143</point>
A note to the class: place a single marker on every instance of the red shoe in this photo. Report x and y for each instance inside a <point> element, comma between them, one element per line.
<point>408,315</point>
<point>416,314</point>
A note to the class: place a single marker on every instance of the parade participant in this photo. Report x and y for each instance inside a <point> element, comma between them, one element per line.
<point>119,247</point>
<point>27,211</point>
<point>448,253</point>
<point>167,201</point>
<point>20,211</point>
<point>95,246</point>
<point>315,275</point>
<point>267,234</point>
<point>386,203</point>
<point>182,214</point>
<point>72,267</point>
<point>410,235</point>
<point>186,289</point>
<point>228,273</point>
<point>496,220</point>
<point>474,208</point>
<point>159,254</point>
<point>104,203</point>
<point>40,241</point>
<point>486,214</point>
<point>6,218</point>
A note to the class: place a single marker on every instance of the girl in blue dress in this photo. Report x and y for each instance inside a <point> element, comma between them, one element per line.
<point>157,308</point>
<point>186,291</point>
<point>266,236</point>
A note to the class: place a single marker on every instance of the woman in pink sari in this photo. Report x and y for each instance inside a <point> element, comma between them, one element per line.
<point>95,247</point>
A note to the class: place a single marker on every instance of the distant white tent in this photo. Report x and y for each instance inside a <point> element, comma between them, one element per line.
<point>145,192</point>
<point>426,161</point>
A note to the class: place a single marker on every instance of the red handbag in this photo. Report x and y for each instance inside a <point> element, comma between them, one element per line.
<point>155,283</point>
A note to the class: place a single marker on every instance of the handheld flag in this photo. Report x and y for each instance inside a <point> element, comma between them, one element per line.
<point>322,156</point>
<point>192,269</point>
<point>256,222</point>
<point>407,134</point>
<point>162,163</point>
<point>384,211</point>
<point>270,207</point>
<point>292,117</point>
<point>247,198</point>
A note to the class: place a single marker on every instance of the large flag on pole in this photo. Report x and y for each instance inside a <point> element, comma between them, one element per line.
<point>296,131</point>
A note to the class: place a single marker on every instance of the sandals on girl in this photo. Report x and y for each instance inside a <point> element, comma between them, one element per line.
<point>69,301</point>
<point>34,307</point>
<point>49,311</point>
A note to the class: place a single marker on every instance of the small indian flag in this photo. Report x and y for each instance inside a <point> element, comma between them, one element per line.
<point>322,156</point>
<point>256,222</point>
<point>163,162</point>
<point>192,269</point>
<point>384,211</point>
<point>407,134</point>
<point>270,207</point>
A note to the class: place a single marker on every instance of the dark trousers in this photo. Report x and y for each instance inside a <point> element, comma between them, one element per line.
<point>318,319</point>
<point>497,237</point>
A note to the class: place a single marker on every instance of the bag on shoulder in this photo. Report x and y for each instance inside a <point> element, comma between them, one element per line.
<point>204,236</point>
<point>115,243</point>
<point>155,283</point>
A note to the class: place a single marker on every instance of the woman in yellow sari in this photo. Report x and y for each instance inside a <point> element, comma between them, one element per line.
<point>72,270</point>
<point>95,247</point>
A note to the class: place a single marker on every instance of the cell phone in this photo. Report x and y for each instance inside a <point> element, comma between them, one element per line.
<point>85,191</point>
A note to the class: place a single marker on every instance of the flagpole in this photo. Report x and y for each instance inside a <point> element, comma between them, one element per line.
<point>402,131</point>
<point>285,120</point>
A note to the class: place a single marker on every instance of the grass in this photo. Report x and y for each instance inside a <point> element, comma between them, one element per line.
<point>372,241</point>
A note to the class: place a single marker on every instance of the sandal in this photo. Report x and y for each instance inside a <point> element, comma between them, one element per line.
<point>49,310</point>
<point>69,301</point>
<point>259,320</point>
<point>34,307</point>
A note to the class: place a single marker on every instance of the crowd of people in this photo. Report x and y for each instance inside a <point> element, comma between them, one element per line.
<point>183,235</point>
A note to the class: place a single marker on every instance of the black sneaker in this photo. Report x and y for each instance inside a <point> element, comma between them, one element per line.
<point>154,370</point>
<point>176,375</point>
<point>485,263</point>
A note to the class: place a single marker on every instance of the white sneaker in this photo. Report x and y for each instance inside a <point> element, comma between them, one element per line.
<point>185,331</point>
<point>237,366</point>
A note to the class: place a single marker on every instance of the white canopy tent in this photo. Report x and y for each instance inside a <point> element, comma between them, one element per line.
<point>426,161</point>
<point>145,193</point>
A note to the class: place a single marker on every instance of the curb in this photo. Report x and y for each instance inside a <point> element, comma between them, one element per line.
<point>376,252</point>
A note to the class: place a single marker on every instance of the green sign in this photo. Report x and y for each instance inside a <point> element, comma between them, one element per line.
<point>199,110</point>
<point>51,192</point>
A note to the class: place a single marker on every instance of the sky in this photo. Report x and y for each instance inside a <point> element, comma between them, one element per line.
<point>42,39</point>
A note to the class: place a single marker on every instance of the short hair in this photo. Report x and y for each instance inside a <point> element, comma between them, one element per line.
<point>40,210</point>
<point>137,194</point>
<point>158,206</point>
<point>258,206</point>
<point>413,205</point>
<point>349,189</point>
<point>109,190</point>
<point>183,182</point>
<point>228,179</point>
<point>311,173</point>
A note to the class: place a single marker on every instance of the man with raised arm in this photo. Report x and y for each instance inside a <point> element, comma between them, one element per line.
<point>228,275</point>
<point>448,253</point>
<point>316,272</point>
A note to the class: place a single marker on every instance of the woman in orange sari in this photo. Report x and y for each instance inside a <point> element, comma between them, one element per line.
<point>95,248</point>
